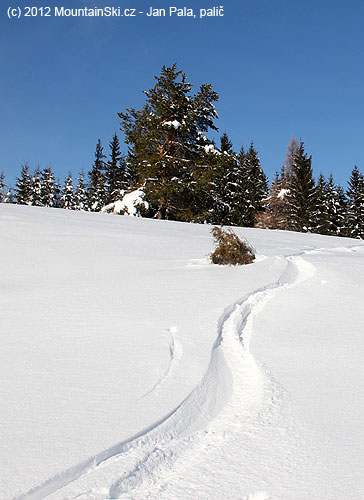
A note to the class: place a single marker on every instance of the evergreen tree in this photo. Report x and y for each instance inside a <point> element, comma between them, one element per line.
<point>168,143</point>
<point>355,208</point>
<point>23,194</point>
<point>302,194</point>
<point>36,188</point>
<point>336,208</point>
<point>80,194</point>
<point>321,211</point>
<point>220,188</point>
<point>48,188</point>
<point>257,186</point>
<point>118,173</point>
<point>2,187</point>
<point>226,145</point>
<point>238,189</point>
<point>68,198</point>
<point>97,189</point>
<point>9,196</point>
<point>275,213</point>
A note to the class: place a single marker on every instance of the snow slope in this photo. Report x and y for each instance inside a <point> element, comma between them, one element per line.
<point>132,368</point>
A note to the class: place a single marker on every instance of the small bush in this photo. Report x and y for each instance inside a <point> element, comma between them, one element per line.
<point>230,249</point>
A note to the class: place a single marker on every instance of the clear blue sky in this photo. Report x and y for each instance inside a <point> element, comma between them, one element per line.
<point>282,68</point>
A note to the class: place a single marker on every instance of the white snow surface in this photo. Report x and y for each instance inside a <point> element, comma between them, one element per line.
<point>132,368</point>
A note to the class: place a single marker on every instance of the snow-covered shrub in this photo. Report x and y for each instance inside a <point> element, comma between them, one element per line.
<point>230,249</point>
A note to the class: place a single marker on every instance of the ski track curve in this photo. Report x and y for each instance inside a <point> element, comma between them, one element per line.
<point>207,409</point>
<point>175,355</point>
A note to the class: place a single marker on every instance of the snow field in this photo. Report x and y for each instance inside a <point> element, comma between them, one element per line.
<point>223,404</point>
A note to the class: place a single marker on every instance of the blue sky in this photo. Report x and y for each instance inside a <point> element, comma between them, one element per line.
<point>282,68</point>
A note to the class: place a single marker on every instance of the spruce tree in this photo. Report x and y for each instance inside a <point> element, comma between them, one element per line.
<point>68,198</point>
<point>336,208</point>
<point>257,186</point>
<point>80,194</point>
<point>355,207</point>
<point>2,187</point>
<point>275,213</point>
<point>23,194</point>
<point>9,196</point>
<point>302,193</point>
<point>118,173</point>
<point>220,188</point>
<point>36,188</point>
<point>48,188</point>
<point>97,189</point>
<point>321,210</point>
<point>167,141</point>
<point>238,188</point>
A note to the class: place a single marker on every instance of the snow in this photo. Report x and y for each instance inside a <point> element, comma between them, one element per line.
<point>128,205</point>
<point>174,123</point>
<point>282,193</point>
<point>133,368</point>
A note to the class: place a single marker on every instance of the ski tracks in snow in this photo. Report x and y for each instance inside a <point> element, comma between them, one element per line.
<point>175,355</point>
<point>231,390</point>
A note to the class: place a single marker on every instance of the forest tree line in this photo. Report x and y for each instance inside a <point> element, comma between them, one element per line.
<point>185,176</point>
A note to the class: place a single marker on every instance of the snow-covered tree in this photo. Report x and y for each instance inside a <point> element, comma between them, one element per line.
<point>23,194</point>
<point>238,189</point>
<point>37,188</point>
<point>215,184</point>
<point>80,194</point>
<point>355,207</point>
<point>275,213</point>
<point>68,198</point>
<point>320,214</point>
<point>2,187</point>
<point>97,189</point>
<point>167,141</point>
<point>336,208</point>
<point>9,196</point>
<point>48,188</point>
<point>257,186</point>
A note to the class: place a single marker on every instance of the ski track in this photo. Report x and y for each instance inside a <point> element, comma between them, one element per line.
<point>232,385</point>
<point>175,355</point>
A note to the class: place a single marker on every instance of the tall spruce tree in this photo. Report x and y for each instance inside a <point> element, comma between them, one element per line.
<point>167,141</point>
<point>302,193</point>
<point>97,189</point>
<point>355,207</point>
<point>321,210</point>
<point>2,187</point>
<point>80,193</point>
<point>256,188</point>
<point>118,173</point>
<point>37,188</point>
<point>68,197</point>
<point>48,188</point>
<point>221,168</point>
<point>238,189</point>
<point>336,208</point>
<point>23,194</point>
